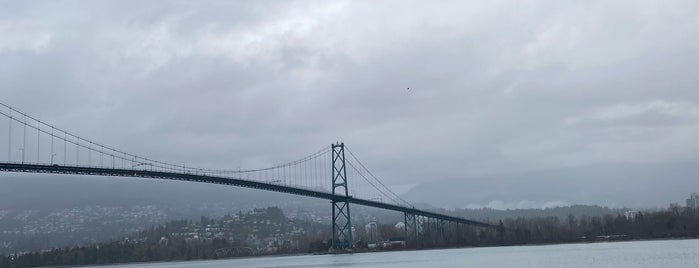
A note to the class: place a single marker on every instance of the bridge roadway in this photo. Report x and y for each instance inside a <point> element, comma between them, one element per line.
<point>96,171</point>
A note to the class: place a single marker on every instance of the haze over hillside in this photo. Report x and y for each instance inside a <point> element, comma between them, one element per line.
<point>623,185</point>
<point>620,185</point>
<point>42,191</point>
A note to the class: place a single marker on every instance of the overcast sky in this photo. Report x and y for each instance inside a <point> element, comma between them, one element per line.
<point>495,86</point>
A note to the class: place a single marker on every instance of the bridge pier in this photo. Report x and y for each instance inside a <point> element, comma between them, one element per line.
<point>441,229</point>
<point>411,228</point>
<point>341,220</point>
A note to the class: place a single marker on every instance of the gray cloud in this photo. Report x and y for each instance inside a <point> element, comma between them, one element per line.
<point>501,87</point>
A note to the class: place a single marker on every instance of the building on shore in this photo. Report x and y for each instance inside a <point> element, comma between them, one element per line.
<point>631,214</point>
<point>372,232</point>
<point>693,202</point>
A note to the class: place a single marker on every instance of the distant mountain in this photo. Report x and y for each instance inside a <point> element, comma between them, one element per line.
<point>494,215</point>
<point>622,185</point>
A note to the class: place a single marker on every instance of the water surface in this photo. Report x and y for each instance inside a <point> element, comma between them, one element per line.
<point>665,253</point>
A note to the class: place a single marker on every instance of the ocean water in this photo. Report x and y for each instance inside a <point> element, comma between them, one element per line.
<point>658,253</point>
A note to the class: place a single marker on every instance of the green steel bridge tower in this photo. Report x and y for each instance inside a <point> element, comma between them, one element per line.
<point>341,220</point>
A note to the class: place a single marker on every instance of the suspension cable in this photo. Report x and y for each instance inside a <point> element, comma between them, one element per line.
<point>375,178</point>
<point>367,180</point>
<point>135,159</point>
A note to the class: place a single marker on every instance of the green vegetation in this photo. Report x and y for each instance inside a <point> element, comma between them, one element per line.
<point>257,232</point>
<point>268,231</point>
<point>672,223</point>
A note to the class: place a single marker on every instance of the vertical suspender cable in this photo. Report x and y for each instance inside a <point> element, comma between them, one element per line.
<point>65,148</point>
<point>24,139</point>
<point>89,154</point>
<point>77,152</point>
<point>38,142</point>
<point>9,138</point>
<point>52,145</point>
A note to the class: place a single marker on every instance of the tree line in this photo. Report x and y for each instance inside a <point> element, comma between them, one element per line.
<point>674,222</point>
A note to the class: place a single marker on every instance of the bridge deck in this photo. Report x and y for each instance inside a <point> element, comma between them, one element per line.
<point>34,168</point>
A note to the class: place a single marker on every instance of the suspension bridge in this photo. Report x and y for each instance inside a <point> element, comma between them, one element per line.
<point>36,146</point>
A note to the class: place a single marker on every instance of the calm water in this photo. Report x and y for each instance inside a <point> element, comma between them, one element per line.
<point>670,253</point>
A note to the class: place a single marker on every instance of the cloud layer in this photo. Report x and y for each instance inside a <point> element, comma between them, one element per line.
<point>504,86</point>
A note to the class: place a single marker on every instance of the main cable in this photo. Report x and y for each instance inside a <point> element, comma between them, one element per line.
<point>367,180</point>
<point>135,159</point>
<point>375,178</point>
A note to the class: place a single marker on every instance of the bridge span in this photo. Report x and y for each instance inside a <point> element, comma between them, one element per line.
<point>96,171</point>
<point>55,151</point>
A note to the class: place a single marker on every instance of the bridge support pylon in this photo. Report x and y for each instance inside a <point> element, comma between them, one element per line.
<point>410,227</point>
<point>341,220</point>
